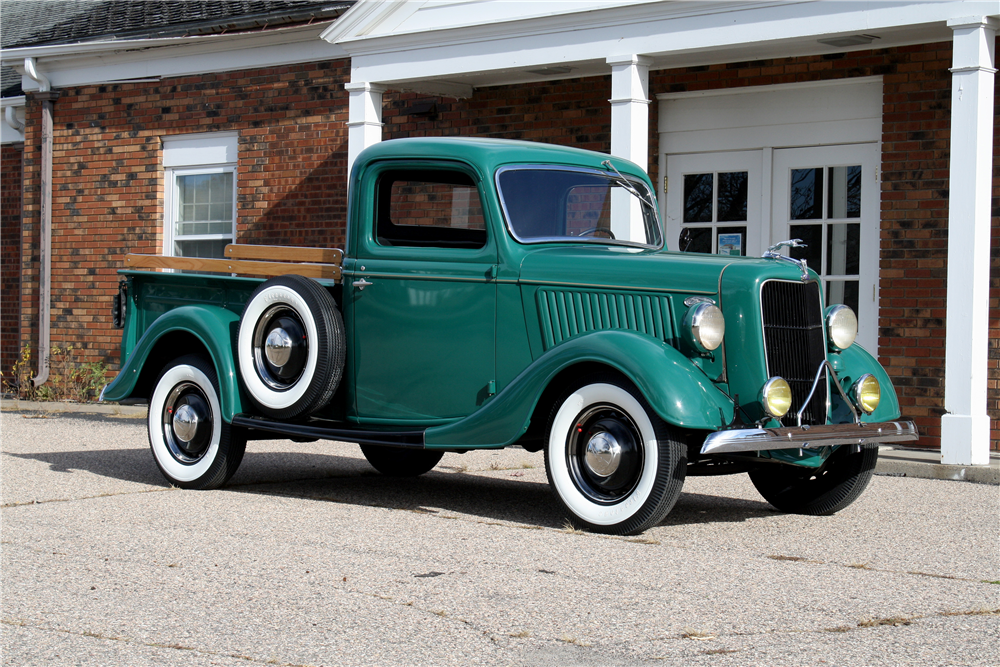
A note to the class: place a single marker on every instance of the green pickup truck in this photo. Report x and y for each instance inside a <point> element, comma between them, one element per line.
<point>498,293</point>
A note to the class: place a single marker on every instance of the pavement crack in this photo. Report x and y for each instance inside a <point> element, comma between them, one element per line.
<point>93,497</point>
<point>158,645</point>
<point>866,566</point>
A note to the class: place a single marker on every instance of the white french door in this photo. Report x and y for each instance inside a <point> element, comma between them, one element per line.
<point>714,200</point>
<point>828,196</point>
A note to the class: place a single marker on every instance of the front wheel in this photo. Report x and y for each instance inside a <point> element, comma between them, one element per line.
<point>192,446</point>
<point>818,491</point>
<point>611,460</point>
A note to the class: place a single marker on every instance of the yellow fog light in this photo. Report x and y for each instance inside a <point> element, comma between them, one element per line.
<point>867,393</point>
<point>776,397</point>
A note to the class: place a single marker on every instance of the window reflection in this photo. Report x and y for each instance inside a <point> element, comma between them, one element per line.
<point>732,200</point>
<point>843,249</point>
<point>698,197</point>
<point>806,194</point>
<point>844,192</point>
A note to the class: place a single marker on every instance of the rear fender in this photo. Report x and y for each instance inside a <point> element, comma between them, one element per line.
<point>676,388</point>
<point>212,326</point>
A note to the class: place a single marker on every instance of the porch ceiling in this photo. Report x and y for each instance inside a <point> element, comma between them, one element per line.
<point>397,47</point>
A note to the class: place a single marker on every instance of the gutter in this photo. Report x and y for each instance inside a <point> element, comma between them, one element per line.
<point>47,97</point>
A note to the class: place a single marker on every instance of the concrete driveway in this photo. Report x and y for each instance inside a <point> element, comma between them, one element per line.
<point>309,557</point>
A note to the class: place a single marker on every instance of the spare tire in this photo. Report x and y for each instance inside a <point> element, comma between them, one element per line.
<point>290,347</point>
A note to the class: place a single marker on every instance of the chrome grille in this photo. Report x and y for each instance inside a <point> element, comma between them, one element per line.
<point>794,343</point>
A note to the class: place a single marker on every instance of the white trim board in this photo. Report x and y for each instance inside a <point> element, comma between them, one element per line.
<point>838,112</point>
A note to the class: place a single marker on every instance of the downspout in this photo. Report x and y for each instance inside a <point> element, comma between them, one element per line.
<point>10,114</point>
<point>47,97</point>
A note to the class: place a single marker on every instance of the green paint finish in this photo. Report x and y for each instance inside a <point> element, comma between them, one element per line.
<point>675,388</point>
<point>213,326</point>
<point>422,335</point>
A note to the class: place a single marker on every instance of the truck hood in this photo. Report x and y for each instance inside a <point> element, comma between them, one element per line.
<point>619,267</point>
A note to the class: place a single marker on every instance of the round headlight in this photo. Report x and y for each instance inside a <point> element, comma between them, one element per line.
<point>841,326</point>
<point>776,397</point>
<point>867,393</point>
<point>706,325</point>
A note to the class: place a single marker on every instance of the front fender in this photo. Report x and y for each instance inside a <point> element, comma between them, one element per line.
<point>855,361</point>
<point>212,326</point>
<point>675,388</point>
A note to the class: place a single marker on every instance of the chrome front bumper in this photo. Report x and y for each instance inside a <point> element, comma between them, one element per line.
<point>807,437</point>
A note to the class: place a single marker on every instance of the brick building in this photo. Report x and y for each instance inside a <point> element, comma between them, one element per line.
<point>870,132</point>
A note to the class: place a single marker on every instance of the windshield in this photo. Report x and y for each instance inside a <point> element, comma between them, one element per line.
<point>545,204</point>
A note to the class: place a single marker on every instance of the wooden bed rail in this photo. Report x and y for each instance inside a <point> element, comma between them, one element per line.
<point>253,260</point>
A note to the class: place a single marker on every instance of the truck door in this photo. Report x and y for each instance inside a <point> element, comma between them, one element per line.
<point>422,298</point>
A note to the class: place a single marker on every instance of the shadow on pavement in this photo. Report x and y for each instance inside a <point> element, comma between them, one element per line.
<point>340,479</point>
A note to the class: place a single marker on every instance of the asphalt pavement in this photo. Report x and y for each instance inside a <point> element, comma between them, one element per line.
<point>309,557</point>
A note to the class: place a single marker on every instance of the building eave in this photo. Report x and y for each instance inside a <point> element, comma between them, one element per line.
<point>118,60</point>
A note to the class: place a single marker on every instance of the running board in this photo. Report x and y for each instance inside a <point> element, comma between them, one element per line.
<point>319,430</point>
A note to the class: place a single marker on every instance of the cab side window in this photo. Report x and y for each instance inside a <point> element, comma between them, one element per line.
<point>433,209</point>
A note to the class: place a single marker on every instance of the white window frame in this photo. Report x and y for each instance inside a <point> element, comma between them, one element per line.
<point>190,155</point>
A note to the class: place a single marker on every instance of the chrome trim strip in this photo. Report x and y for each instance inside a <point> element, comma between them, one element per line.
<point>806,437</point>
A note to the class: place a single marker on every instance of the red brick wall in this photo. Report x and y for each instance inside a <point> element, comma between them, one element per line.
<point>108,179</point>
<point>10,261</point>
<point>573,112</point>
<point>914,234</point>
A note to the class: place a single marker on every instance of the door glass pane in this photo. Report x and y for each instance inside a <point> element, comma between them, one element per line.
<point>732,240</point>
<point>806,195</point>
<point>812,236</point>
<point>698,197</point>
<point>695,239</point>
<point>732,201</point>
<point>842,291</point>
<point>843,249</point>
<point>844,192</point>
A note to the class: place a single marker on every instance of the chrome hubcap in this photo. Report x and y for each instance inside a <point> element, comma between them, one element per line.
<point>278,347</point>
<point>185,422</point>
<point>604,454</point>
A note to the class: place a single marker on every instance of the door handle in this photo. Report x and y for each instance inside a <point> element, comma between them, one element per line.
<point>361,284</point>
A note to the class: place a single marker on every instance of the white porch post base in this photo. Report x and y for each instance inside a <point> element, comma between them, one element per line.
<point>958,433</point>
<point>364,119</point>
<point>965,429</point>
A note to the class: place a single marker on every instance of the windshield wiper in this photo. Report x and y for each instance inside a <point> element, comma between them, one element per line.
<point>627,184</point>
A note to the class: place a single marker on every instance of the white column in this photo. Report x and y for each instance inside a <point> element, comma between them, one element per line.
<point>630,108</point>
<point>629,137</point>
<point>965,428</point>
<point>364,122</point>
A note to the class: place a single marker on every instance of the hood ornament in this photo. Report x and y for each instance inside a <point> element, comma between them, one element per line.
<point>774,253</point>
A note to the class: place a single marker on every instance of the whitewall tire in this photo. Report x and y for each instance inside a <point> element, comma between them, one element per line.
<point>192,446</point>
<point>611,460</point>
<point>290,347</point>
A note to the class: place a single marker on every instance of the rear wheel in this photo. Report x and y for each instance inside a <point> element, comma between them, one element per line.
<point>401,462</point>
<point>192,446</point>
<point>818,491</point>
<point>610,459</point>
